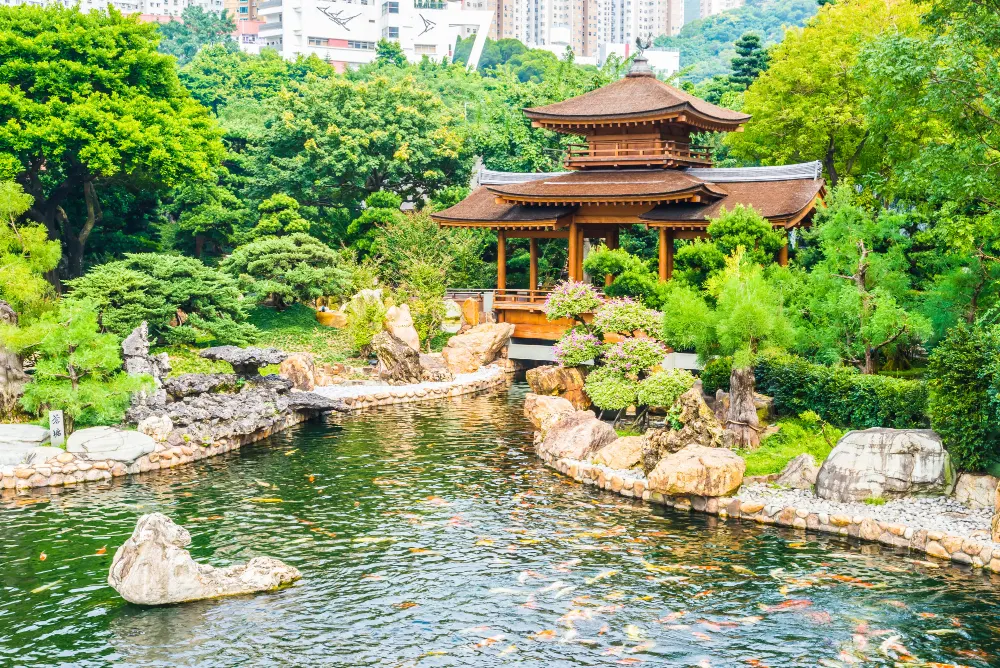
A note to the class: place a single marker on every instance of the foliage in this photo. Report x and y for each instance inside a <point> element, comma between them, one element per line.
<point>365,315</point>
<point>576,348</point>
<point>963,405</point>
<point>203,213</point>
<point>25,255</point>
<point>663,388</point>
<point>89,108</point>
<point>279,214</point>
<point>623,315</point>
<point>750,61</point>
<point>744,228</point>
<point>841,395</point>
<point>687,317</point>
<point>201,302</point>
<point>633,276</point>
<point>423,288</point>
<point>695,262</point>
<point>381,211</point>
<point>185,359</point>
<point>77,369</point>
<point>795,436</point>
<point>715,375</point>
<point>197,28</point>
<point>296,328</point>
<point>571,299</point>
<point>809,104</point>
<point>610,390</point>
<point>287,269</point>
<point>632,356</point>
<point>389,53</point>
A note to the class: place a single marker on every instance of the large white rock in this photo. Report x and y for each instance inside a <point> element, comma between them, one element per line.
<point>109,443</point>
<point>17,440</point>
<point>883,462</point>
<point>153,568</point>
<point>976,490</point>
<point>698,470</point>
<point>399,323</point>
<point>800,473</point>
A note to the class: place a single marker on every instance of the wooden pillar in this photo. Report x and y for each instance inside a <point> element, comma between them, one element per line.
<point>501,260</point>
<point>574,243</point>
<point>666,254</point>
<point>533,264</point>
<point>579,253</point>
<point>612,243</point>
<point>783,253</point>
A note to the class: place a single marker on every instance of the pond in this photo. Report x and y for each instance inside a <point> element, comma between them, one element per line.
<point>430,535</point>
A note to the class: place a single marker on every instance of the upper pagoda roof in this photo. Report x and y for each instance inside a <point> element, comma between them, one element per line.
<point>639,96</point>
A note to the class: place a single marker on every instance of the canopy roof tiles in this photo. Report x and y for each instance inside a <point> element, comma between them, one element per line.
<point>480,209</point>
<point>638,186</point>
<point>634,99</point>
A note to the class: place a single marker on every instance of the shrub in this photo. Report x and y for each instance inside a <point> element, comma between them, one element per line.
<point>576,348</point>
<point>631,357</point>
<point>202,302</point>
<point>716,374</point>
<point>962,380</point>
<point>26,254</point>
<point>423,288</point>
<point>78,369</point>
<point>624,315</point>
<point>571,299</point>
<point>841,395</point>
<point>365,315</point>
<point>610,390</point>
<point>664,388</point>
<point>296,267</point>
<point>279,214</point>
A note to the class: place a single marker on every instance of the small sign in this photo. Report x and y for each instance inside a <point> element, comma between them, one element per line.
<point>57,429</point>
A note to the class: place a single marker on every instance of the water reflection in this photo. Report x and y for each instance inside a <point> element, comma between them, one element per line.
<point>432,536</point>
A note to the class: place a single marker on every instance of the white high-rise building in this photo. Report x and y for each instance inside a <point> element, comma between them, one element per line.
<point>345,32</point>
<point>713,7</point>
<point>155,7</point>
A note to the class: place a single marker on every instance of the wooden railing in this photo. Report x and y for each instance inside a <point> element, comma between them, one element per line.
<point>525,297</point>
<point>640,151</point>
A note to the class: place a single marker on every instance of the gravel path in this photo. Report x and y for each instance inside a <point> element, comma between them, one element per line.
<point>345,391</point>
<point>934,513</point>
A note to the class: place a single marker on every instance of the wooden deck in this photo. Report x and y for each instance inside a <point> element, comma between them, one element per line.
<point>525,309</point>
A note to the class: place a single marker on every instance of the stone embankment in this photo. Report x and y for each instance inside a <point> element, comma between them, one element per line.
<point>362,396</point>
<point>938,526</point>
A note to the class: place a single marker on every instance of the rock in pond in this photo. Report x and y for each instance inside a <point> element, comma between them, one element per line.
<point>466,353</point>
<point>17,440</point>
<point>976,490</point>
<point>577,436</point>
<point>882,462</point>
<point>800,473</point>
<point>153,568</point>
<point>698,470</point>
<point>245,361</point>
<point>97,443</point>
<point>544,411</point>
<point>562,381</point>
<point>623,453</point>
<point>397,362</point>
<point>300,368</point>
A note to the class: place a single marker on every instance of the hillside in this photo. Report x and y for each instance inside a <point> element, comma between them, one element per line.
<point>706,45</point>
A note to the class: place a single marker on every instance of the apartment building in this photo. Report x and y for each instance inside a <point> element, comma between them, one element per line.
<point>345,32</point>
<point>713,7</point>
<point>241,10</point>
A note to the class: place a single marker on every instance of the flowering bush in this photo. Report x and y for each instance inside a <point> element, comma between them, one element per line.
<point>624,315</point>
<point>630,357</point>
<point>571,299</point>
<point>576,348</point>
<point>609,389</point>
<point>663,388</point>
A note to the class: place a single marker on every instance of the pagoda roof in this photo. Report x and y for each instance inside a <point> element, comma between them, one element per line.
<point>481,208</point>
<point>781,202</point>
<point>636,98</point>
<point>616,185</point>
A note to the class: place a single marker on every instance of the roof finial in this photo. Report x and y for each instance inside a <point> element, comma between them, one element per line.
<point>640,65</point>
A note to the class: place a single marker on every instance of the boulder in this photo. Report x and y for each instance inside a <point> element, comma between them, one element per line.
<point>433,369</point>
<point>337,319</point>
<point>399,323</point>
<point>397,362</point>
<point>544,411</point>
<point>698,470</point>
<point>800,473</point>
<point>566,382</point>
<point>194,384</point>
<point>300,368</point>
<point>157,427</point>
<point>17,440</point>
<point>479,346</point>
<point>623,453</point>
<point>245,361</point>
<point>698,426</point>
<point>40,455</point>
<point>313,402</point>
<point>154,568</point>
<point>138,361</point>
<point>883,462</point>
<point>452,317</point>
<point>97,443</point>
<point>576,435</point>
<point>976,490</point>
<point>470,312</point>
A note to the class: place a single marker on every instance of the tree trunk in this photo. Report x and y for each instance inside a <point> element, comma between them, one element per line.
<point>742,424</point>
<point>12,376</point>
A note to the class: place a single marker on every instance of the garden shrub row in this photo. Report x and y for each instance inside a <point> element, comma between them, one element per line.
<point>840,395</point>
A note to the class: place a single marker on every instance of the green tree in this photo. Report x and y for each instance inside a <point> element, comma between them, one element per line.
<point>197,29</point>
<point>78,369</point>
<point>279,215</point>
<point>389,53</point>
<point>750,61</point>
<point>26,254</point>
<point>423,288</point>
<point>743,227</point>
<point>200,214</point>
<point>88,105</point>
<point>381,211</point>
<point>809,104</point>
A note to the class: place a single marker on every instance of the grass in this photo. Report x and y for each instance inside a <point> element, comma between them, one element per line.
<point>627,431</point>
<point>184,359</point>
<point>796,437</point>
<point>875,500</point>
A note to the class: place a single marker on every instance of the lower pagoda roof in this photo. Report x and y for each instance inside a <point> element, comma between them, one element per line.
<point>614,185</point>
<point>480,209</point>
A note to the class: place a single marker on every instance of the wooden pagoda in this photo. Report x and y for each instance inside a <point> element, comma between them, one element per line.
<point>638,166</point>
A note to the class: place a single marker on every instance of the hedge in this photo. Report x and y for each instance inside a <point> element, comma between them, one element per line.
<point>840,395</point>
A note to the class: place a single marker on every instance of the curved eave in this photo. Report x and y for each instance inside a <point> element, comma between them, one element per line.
<point>690,195</point>
<point>680,113</point>
<point>781,221</point>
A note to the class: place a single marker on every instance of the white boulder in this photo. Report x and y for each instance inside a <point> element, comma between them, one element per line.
<point>576,436</point>
<point>121,445</point>
<point>17,440</point>
<point>976,490</point>
<point>399,323</point>
<point>800,473</point>
<point>153,568</point>
<point>882,462</point>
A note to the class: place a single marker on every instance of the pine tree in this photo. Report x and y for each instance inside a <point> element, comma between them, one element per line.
<point>752,59</point>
